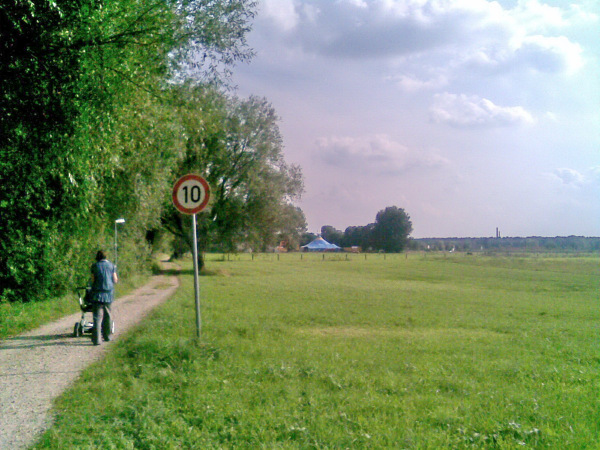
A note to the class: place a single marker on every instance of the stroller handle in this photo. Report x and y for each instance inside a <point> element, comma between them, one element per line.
<point>84,293</point>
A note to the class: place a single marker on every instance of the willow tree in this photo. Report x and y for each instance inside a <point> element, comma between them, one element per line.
<point>236,145</point>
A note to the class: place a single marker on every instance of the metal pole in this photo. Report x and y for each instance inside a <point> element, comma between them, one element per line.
<point>116,257</point>
<point>196,283</point>
<point>116,245</point>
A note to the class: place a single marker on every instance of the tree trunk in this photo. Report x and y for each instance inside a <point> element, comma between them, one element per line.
<point>190,240</point>
<point>180,227</point>
<point>200,261</point>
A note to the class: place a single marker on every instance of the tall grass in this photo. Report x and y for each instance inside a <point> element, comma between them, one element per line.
<point>417,352</point>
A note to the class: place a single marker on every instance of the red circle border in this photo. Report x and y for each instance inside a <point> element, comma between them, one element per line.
<point>202,205</point>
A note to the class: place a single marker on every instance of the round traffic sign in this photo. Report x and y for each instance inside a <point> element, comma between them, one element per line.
<point>191,194</point>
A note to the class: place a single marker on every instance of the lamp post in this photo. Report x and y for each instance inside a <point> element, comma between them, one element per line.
<point>116,253</point>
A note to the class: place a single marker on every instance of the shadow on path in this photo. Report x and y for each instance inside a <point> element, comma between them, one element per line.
<point>62,339</point>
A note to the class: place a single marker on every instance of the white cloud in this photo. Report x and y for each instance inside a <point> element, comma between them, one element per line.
<point>541,53</point>
<point>579,16</point>
<point>380,28</point>
<point>358,3</point>
<point>551,54</point>
<point>572,177</point>
<point>537,16</point>
<point>365,74</point>
<point>594,175</point>
<point>472,111</point>
<point>412,83</point>
<point>377,154</point>
<point>547,54</point>
<point>281,12</point>
<point>455,33</point>
<point>569,176</point>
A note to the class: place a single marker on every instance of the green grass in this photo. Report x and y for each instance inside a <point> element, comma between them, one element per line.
<point>418,352</point>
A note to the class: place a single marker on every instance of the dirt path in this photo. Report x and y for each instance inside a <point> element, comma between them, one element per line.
<point>38,366</point>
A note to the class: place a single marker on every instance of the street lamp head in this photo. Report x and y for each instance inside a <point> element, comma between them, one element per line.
<point>120,221</point>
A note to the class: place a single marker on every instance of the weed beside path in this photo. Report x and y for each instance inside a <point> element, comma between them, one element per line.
<point>38,366</point>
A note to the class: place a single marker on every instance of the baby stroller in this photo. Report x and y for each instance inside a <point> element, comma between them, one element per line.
<point>84,294</point>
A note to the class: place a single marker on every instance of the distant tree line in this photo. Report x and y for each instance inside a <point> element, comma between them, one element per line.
<point>389,233</point>
<point>103,106</point>
<point>525,244</point>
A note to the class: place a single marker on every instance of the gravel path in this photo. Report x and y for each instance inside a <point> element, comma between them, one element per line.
<point>38,366</point>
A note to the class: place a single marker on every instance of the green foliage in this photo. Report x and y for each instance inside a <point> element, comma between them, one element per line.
<point>332,235</point>
<point>307,238</point>
<point>34,122</point>
<point>391,230</point>
<point>291,226</point>
<point>236,145</point>
<point>389,233</point>
<point>86,117</point>
<point>359,236</point>
<point>388,352</point>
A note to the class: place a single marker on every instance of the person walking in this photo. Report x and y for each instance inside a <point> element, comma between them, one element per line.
<point>104,278</point>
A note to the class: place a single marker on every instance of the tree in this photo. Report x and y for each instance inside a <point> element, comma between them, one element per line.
<point>292,226</point>
<point>236,145</point>
<point>391,230</point>
<point>359,236</point>
<point>332,235</point>
<point>85,124</point>
<point>307,238</point>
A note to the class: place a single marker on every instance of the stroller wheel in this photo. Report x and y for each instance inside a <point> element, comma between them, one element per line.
<point>77,332</point>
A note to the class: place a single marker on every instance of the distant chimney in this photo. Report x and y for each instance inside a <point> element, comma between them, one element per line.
<point>497,233</point>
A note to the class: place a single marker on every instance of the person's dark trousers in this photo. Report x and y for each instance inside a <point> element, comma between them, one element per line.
<point>102,322</point>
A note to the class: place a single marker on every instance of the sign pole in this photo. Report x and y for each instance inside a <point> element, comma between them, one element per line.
<point>191,194</point>
<point>196,282</point>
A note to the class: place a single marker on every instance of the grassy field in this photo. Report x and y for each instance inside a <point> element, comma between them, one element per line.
<point>418,352</point>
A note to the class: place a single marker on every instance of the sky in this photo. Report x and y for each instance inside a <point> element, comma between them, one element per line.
<point>471,115</point>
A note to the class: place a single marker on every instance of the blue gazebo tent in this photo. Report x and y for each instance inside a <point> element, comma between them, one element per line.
<point>320,245</point>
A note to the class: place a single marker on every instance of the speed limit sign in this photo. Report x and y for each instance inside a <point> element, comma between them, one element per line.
<point>191,194</point>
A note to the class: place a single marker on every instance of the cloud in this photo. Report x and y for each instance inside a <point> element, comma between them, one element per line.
<point>472,111</point>
<point>386,28</point>
<point>550,54</point>
<point>539,16</point>
<point>344,70</point>
<point>572,177</point>
<point>452,38</point>
<point>379,155</point>
<point>412,83</point>
<point>535,52</point>
<point>280,12</point>
<point>534,39</point>
<point>594,175</point>
<point>569,176</point>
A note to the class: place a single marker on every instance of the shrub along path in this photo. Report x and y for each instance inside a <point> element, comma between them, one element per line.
<point>37,366</point>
